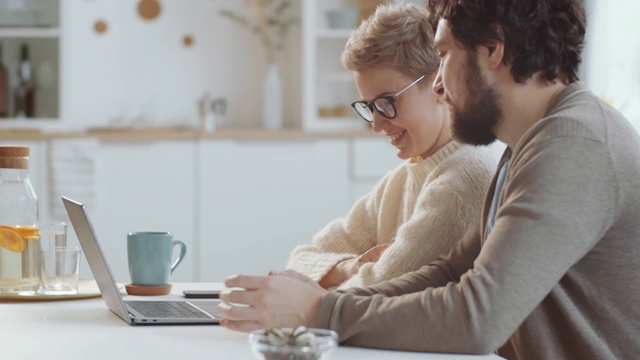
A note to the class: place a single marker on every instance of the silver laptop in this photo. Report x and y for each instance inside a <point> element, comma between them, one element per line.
<point>133,312</point>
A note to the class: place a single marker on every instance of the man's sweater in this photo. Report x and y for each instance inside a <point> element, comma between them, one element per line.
<point>556,278</point>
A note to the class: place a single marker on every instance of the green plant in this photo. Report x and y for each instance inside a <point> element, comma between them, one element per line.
<point>269,20</point>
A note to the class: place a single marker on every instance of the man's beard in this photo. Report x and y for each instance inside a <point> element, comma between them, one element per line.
<point>475,121</point>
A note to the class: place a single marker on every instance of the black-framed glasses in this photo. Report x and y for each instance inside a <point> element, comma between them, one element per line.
<point>384,105</point>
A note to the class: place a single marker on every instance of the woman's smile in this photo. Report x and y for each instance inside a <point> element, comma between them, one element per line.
<point>395,138</point>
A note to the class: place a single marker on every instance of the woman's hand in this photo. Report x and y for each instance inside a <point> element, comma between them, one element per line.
<point>346,269</point>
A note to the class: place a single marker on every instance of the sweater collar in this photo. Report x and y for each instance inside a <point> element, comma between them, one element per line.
<point>436,158</point>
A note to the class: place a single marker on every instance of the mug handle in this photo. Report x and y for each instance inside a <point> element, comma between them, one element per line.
<point>183,252</point>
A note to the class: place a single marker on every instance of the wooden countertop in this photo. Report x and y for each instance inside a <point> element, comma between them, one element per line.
<point>179,133</point>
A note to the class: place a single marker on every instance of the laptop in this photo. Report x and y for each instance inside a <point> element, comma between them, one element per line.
<point>144,312</point>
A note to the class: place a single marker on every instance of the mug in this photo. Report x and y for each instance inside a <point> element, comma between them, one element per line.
<point>149,254</point>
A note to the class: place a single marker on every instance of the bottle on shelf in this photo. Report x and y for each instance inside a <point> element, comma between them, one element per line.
<point>19,233</point>
<point>24,92</point>
<point>4,88</point>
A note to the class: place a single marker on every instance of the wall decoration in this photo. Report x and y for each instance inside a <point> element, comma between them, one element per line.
<point>100,26</point>
<point>149,9</point>
<point>187,40</point>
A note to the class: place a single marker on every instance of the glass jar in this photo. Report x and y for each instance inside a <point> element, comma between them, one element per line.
<point>19,235</point>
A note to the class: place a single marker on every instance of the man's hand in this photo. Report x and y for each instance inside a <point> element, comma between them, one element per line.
<point>286,299</point>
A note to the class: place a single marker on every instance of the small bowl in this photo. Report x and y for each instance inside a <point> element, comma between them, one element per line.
<point>321,346</point>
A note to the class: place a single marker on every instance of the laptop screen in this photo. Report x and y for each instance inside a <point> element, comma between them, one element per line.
<point>95,258</point>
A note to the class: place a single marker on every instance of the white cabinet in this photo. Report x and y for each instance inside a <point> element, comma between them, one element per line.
<point>370,160</point>
<point>34,24</point>
<point>328,88</point>
<point>145,186</point>
<point>241,206</point>
<point>259,199</point>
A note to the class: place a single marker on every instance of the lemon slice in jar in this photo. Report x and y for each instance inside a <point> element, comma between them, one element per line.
<point>11,239</point>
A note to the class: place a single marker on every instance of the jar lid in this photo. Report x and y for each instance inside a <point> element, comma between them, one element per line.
<point>14,157</point>
<point>14,151</point>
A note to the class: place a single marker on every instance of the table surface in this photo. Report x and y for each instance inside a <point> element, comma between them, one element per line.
<point>83,329</point>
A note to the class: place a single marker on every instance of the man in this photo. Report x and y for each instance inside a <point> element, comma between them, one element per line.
<point>552,271</point>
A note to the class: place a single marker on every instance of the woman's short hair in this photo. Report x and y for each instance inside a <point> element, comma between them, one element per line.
<point>399,36</point>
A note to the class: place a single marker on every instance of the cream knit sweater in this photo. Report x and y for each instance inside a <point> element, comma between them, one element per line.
<point>422,209</point>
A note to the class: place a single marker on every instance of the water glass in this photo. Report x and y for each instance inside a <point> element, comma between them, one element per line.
<point>60,267</point>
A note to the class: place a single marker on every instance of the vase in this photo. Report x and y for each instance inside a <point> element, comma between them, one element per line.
<point>272,99</point>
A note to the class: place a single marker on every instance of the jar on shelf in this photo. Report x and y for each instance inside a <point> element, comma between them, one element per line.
<point>19,234</point>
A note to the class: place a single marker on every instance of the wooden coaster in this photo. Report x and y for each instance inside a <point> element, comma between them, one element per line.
<point>147,290</point>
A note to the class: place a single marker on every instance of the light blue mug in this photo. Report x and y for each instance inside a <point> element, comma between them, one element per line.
<point>150,254</point>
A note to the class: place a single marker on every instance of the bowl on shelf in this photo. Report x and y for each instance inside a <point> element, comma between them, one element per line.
<point>342,18</point>
<point>293,344</point>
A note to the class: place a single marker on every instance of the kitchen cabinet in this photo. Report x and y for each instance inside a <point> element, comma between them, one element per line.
<point>145,186</point>
<point>36,24</point>
<point>370,160</point>
<point>259,199</point>
<point>240,204</point>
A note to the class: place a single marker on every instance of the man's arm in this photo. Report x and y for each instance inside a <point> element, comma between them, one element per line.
<point>438,273</point>
<point>554,210</point>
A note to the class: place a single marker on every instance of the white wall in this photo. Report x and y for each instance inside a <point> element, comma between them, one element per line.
<point>141,67</point>
<point>611,56</point>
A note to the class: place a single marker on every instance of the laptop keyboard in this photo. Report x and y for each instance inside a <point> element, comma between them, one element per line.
<point>167,309</point>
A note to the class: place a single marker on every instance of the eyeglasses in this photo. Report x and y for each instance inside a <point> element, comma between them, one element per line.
<point>384,105</point>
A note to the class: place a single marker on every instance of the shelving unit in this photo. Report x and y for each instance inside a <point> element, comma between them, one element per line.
<point>342,34</point>
<point>29,32</point>
<point>328,87</point>
<point>41,33</point>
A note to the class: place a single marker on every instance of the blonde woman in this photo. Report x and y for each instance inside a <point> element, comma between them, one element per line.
<point>420,209</point>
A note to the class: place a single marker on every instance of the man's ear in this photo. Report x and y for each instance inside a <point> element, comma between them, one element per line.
<point>495,54</point>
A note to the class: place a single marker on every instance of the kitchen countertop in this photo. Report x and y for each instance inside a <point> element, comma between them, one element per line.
<point>179,133</point>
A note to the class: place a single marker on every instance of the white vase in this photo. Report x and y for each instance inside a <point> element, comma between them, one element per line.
<point>272,99</point>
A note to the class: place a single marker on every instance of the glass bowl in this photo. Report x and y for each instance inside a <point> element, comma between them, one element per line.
<point>319,347</point>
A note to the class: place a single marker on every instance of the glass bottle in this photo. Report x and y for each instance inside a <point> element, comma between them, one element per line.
<point>24,92</point>
<point>4,88</point>
<point>19,235</point>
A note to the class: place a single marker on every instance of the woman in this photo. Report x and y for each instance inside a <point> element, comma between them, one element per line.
<point>422,208</point>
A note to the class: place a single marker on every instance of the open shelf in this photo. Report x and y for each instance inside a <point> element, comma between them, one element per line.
<point>29,32</point>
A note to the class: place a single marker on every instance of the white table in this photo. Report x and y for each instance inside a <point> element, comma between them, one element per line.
<point>87,329</point>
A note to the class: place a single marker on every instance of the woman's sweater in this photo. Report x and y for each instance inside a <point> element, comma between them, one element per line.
<point>421,208</point>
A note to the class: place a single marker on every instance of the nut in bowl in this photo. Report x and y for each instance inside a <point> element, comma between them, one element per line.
<point>293,344</point>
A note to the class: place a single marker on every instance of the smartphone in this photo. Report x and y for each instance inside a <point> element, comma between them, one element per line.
<point>202,294</point>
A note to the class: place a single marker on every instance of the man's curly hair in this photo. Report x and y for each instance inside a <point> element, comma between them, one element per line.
<point>545,36</point>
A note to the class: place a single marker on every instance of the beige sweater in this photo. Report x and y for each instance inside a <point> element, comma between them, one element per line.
<point>421,208</point>
<point>557,277</point>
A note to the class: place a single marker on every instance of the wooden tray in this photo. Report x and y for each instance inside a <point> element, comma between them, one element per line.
<point>87,288</point>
